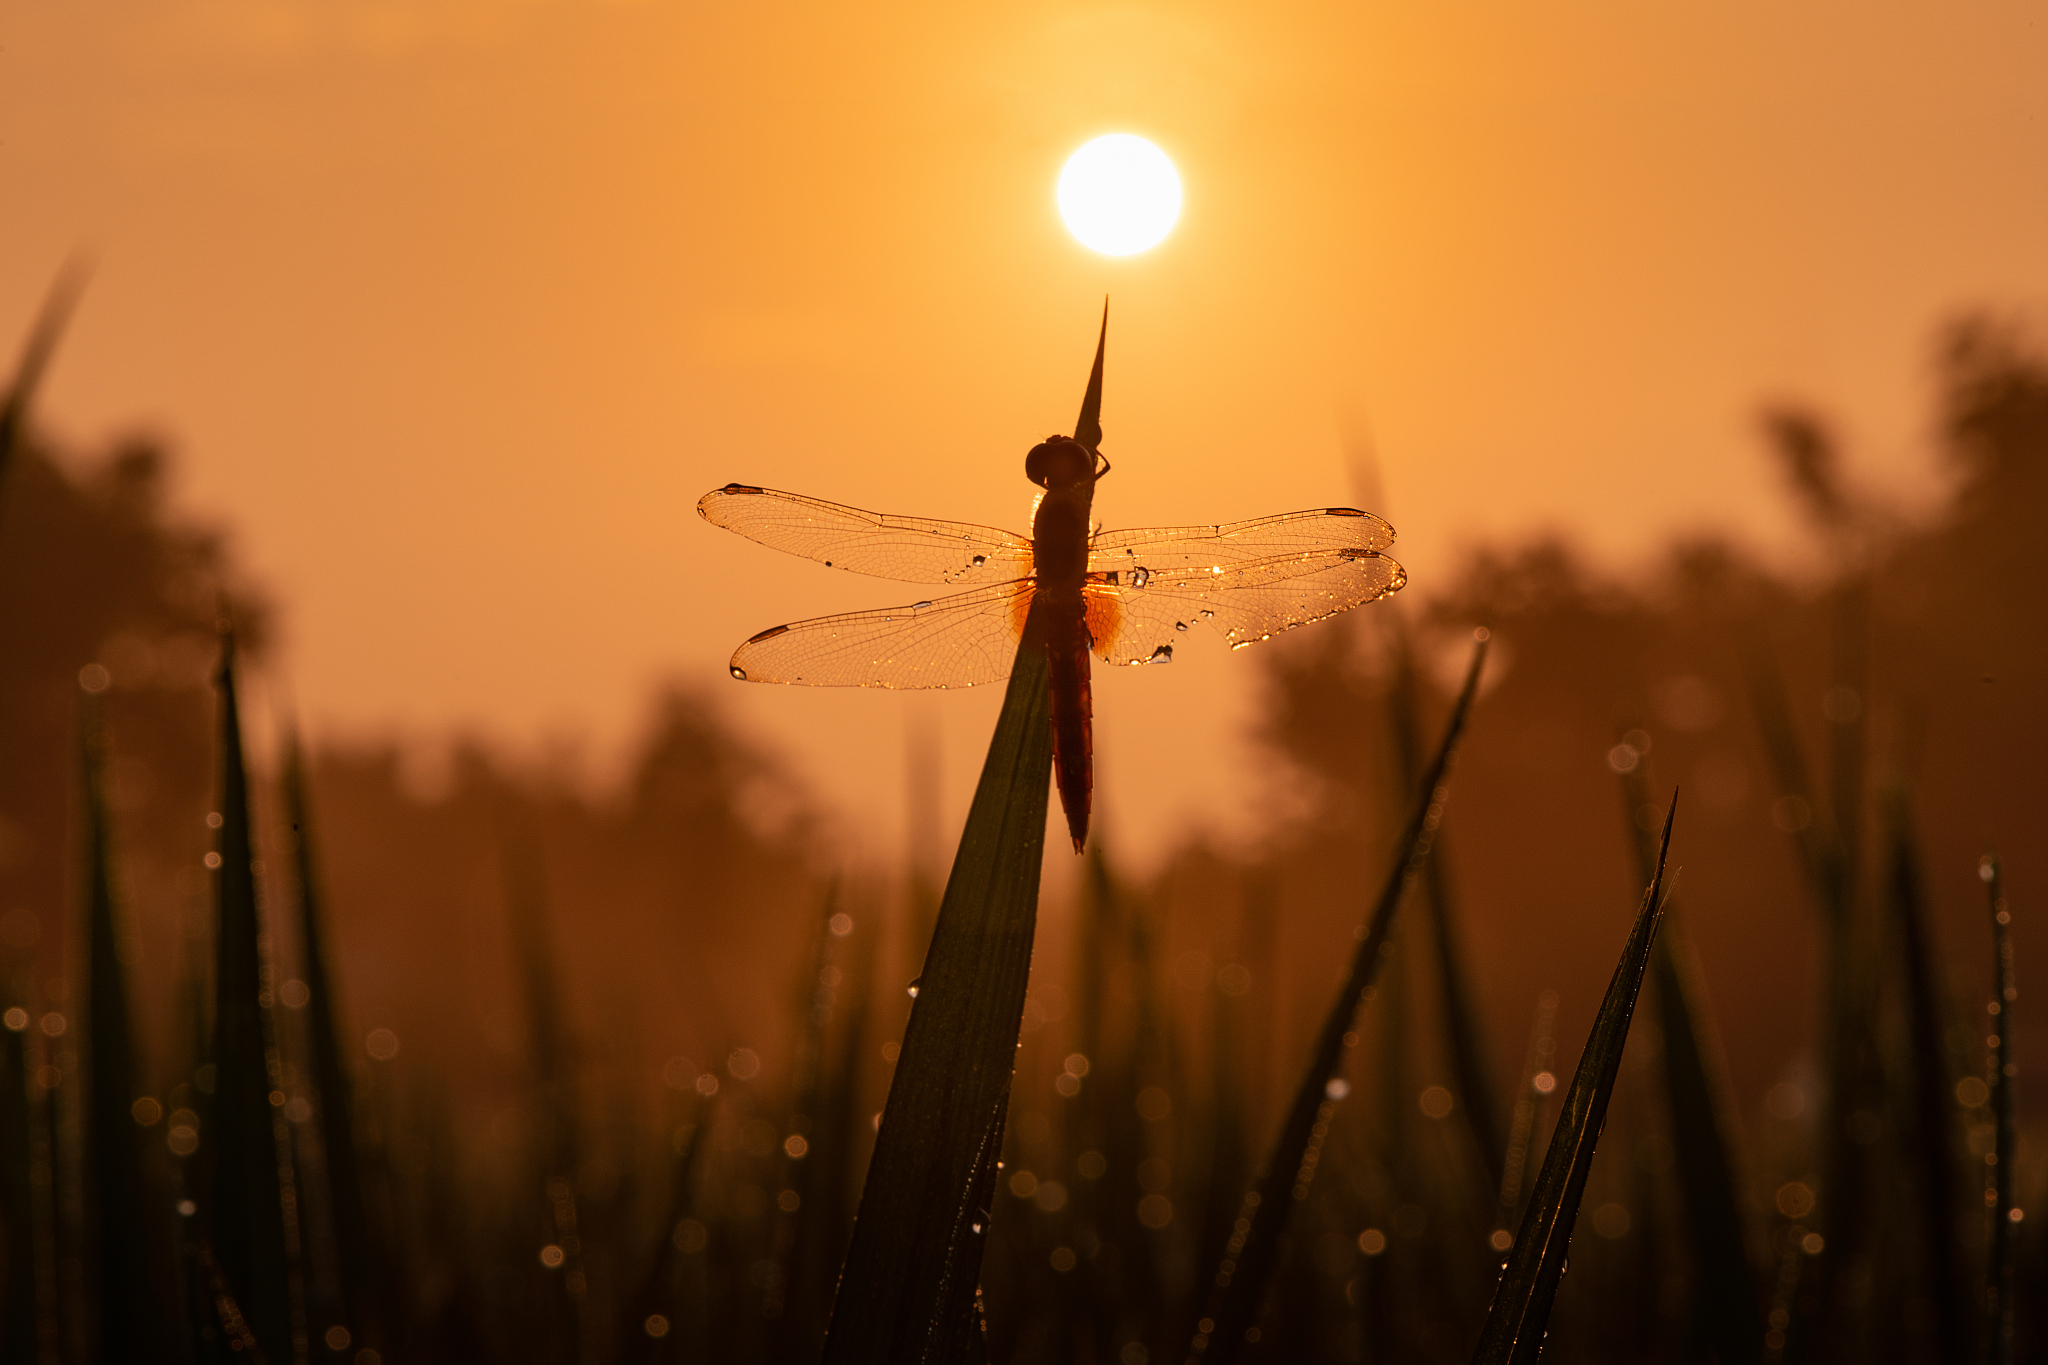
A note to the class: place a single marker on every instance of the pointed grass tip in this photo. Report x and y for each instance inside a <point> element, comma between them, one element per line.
<point>1088,426</point>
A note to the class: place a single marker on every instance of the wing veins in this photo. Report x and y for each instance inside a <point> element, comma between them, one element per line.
<point>880,544</point>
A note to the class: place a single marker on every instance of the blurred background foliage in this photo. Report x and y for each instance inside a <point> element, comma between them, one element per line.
<point>614,1056</point>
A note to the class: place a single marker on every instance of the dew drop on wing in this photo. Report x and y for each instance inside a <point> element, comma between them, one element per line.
<point>919,606</point>
<point>1140,576</point>
<point>1208,615</point>
<point>980,560</point>
<point>1180,625</point>
<point>1161,655</point>
<point>913,987</point>
<point>739,672</point>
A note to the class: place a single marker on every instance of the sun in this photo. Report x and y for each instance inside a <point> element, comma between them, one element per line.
<point>1119,195</point>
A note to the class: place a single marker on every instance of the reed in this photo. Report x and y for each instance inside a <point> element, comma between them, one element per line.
<point>907,1290</point>
<point>1520,1316</point>
<point>361,1262</point>
<point>36,351</point>
<point>130,1292</point>
<point>18,1309</point>
<point>1726,1319</point>
<point>1230,1320</point>
<point>250,1235</point>
<point>1463,1034</point>
<point>2003,1076</point>
<point>1929,1097</point>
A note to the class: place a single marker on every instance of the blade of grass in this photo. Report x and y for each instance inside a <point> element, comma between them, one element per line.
<point>1727,1318</point>
<point>1520,1316</point>
<point>1529,1102</point>
<point>1098,940</point>
<point>248,1175</point>
<point>35,357</point>
<point>1088,426</point>
<point>1253,1252</point>
<point>360,1262</point>
<point>1462,1033</point>
<point>1931,1088</point>
<point>131,1257</point>
<point>842,1125</point>
<point>657,1293</point>
<point>558,1139</point>
<point>1855,1077</point>
<point>17,1194</point>
<point>2004,1073</point>
<point>799,1330</point>
<point>907,1290</point>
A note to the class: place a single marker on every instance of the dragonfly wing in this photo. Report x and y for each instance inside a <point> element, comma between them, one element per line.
<point>959,641</point>
<point>1135,619</point>
<point>1239,542</point>
<point>910,549</point>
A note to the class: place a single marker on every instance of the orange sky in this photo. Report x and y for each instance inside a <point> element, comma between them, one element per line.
<point>453,309</point>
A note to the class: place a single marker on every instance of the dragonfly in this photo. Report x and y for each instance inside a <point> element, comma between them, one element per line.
<point>1124,597</point>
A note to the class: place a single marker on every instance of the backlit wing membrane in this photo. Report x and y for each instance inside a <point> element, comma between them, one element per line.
<point>910,549</point>
<point>1323,529</point>
<point>1139,617</point>
<point>958,641</point>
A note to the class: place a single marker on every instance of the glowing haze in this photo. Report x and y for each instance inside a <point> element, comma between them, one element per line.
<point>455,309</point>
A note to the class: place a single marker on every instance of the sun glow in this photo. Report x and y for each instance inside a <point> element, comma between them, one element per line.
<point>1119,195</point>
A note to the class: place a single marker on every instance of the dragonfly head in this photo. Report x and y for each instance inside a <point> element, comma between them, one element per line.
<point>1060,462</point>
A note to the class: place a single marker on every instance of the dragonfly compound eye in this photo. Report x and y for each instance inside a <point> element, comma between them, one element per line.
<point>1059,461</point>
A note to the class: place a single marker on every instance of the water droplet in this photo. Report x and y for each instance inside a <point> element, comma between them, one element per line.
<point>1208,615</point>
<point>1180,625</point>
<point>828,563</point>
<point>977,1227</point>
<point>1140,576</point>
<point>1161,655</point>
<point>980,560</point>
<point>913,987</point>
<point>919,606</point>
<point>739,672</point>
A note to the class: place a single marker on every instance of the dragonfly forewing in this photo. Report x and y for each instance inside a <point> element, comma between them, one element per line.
<point>908,549</point>
<point>964,640</point>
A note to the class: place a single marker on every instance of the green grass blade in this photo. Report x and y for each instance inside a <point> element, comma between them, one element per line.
<point>1253,1252</point>
<point>1727,1318</point>
<point>1520,1315</point>
<point>133,1267</point>
<point>1998,1264</point>
<point>907,1290</point>
<point>359,1260</point>
<point>248,1173</point>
